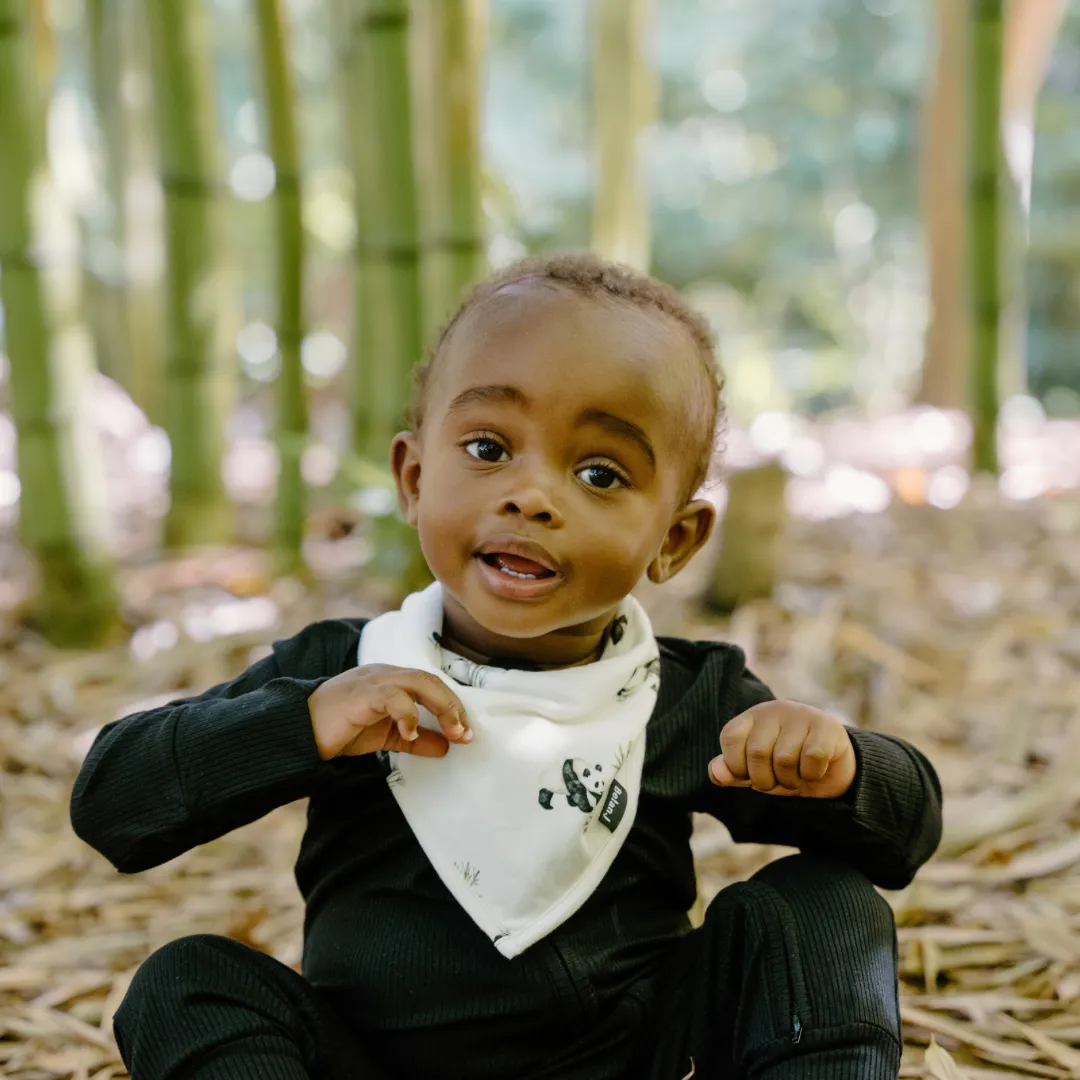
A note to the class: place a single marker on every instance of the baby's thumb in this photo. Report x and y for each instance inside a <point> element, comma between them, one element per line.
<point>720,774</point>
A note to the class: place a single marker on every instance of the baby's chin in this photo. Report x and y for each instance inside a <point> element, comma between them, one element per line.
<point>524,622</point>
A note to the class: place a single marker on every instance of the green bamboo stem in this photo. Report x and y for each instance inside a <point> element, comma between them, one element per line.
<point>450,47</point>
<point>984,231</point>
<point>145,299</point>
<point>389,333</point>
<point>61,513</point>
<point>198,368</point>
<point>107,301</point>
<point>346,27</point>
<point>624,108</point>
<point>292,416</point>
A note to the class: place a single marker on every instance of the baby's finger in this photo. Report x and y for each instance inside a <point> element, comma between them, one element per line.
<point>733,744</point>
<point>787,753</point>
<point>818,749</point>
<point>440,701</point>
<point>402,710</point>
<point>760,744</point>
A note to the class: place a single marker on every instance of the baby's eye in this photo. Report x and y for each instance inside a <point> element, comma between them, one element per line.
<point>601,476</point>
<point>486,449</point>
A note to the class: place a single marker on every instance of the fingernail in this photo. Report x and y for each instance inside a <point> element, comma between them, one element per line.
<point>467,737</point>
<point>413,734</point>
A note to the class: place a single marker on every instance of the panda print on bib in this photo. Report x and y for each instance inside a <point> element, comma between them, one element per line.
<point>579,783</point>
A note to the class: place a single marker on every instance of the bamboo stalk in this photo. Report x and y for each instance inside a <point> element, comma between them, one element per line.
<point>143,268</point>
<point>388,268</point>
<point>105,286</point>
<point>292,414</point>
<point>387,335</point>
<point>984,231</point>
<point>451,39</point>
<point>198,368</point>
<point>62,509</point>
<point>351,90</point>
<point>624,109</point>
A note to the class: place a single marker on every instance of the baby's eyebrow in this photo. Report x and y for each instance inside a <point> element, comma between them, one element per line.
<point>501,392</point>
<point>623,428</point>
<point>493,392</point>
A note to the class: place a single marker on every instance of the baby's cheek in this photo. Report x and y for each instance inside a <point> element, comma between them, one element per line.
<point>618,556</point>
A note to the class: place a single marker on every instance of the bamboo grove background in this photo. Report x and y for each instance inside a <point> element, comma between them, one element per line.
<point>253,212</point>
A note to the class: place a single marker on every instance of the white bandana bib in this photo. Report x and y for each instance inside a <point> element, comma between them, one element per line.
<point>522,823</point>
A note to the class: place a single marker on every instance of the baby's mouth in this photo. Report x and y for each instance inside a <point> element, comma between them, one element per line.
<point>517,566</point>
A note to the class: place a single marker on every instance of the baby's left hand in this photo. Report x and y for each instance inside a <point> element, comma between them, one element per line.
<point>784,748</point>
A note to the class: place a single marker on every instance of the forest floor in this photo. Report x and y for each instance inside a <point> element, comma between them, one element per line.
<point>958,629</point>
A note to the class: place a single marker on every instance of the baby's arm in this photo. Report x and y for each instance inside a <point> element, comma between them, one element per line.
<point>157,783</point>
<point>887,823</point>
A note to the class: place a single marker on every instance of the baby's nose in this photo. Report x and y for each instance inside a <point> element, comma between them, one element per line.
<point>535,504</point>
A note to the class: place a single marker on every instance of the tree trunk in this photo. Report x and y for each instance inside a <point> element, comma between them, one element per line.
<point>388,265</point>
<point>62,509</point>
<point>751,538</point>
<point>984,227</point>
<point>292,418</point>
<point>449,44</point>
<point>1030,29</point>
<point>624,110</point>
<point>198,369</point>
<point>944,373</point>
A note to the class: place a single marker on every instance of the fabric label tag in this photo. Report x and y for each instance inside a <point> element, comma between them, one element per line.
<point>614,806</point>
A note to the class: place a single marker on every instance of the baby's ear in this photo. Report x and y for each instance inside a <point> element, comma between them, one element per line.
<point>686,535</point>
<point>405,465</point>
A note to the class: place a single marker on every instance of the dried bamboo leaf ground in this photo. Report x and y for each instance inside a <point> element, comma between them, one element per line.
<point>959,630</point>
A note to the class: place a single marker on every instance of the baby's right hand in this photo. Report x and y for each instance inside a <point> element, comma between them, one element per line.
<point>373,708</point>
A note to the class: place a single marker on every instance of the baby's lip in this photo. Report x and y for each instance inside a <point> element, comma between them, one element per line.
<point>516,545</point>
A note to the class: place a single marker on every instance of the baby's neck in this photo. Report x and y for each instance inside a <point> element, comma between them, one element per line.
<point>449,642</point>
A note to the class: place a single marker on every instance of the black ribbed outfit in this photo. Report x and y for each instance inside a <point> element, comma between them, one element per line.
<point>793,973</point>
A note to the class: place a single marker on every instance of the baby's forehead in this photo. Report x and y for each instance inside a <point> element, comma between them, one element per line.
<point>540,310</point>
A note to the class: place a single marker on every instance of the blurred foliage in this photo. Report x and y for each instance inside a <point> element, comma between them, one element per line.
<point>784,187</point>
<point>785,184</point>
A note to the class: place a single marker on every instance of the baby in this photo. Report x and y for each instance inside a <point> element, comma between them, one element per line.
<point>501,774</point>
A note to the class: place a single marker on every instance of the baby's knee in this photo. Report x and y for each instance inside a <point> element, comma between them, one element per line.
<point>172,966</point>
<point>164,978</point>
<point>841,936</point>
<point>821,891</point>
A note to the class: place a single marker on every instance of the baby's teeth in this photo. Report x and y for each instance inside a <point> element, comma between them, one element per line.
<point>515,573</point>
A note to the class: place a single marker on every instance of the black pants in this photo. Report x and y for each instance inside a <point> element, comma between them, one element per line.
<point>792,974</point>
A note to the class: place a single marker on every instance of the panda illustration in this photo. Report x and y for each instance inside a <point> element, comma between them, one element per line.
<point>645,674</point>
<point>579,781</point>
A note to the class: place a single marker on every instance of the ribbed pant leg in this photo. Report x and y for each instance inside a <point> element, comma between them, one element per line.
<point>205,1007</point>
<point>793,974</point>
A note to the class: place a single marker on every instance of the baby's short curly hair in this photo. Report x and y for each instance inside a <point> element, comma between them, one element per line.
<point>591,276</point>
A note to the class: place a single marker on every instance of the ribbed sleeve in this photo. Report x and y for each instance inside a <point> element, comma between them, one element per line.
<point>886,825</point>
<point>157,783</point>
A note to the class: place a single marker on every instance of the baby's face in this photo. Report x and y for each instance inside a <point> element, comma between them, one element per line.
<point>551,457</point>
